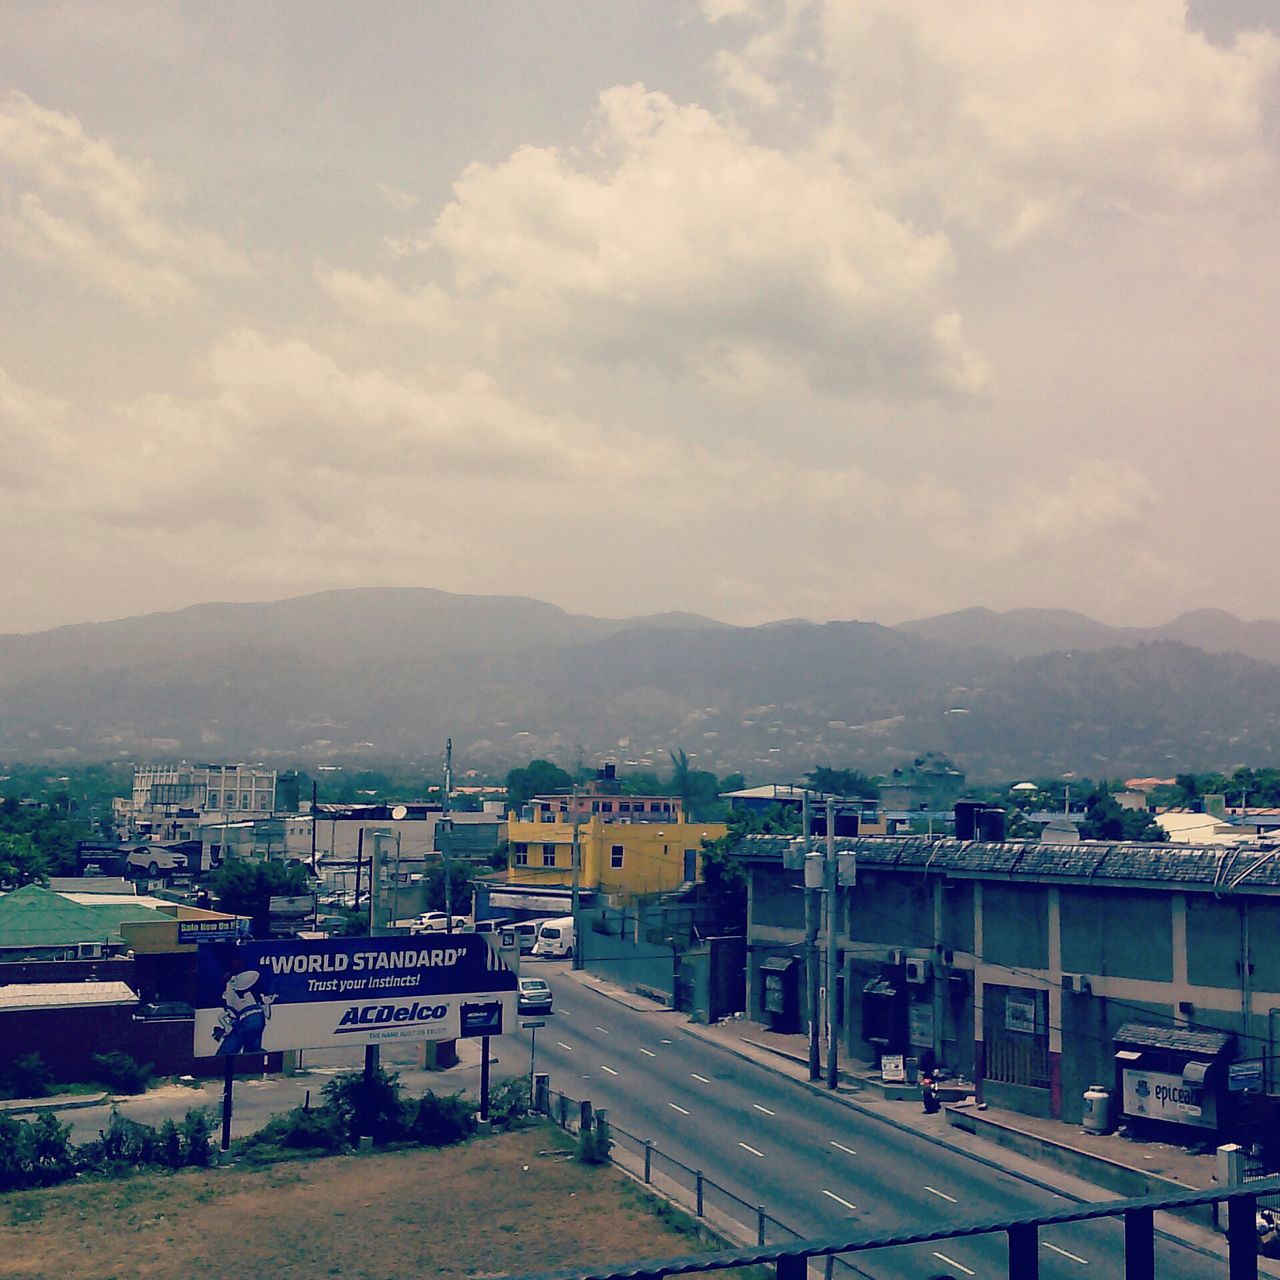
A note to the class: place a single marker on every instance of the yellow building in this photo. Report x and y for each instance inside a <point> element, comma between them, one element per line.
<point>613,857</point>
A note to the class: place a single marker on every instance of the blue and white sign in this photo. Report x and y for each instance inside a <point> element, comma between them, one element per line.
<point>261,997</point>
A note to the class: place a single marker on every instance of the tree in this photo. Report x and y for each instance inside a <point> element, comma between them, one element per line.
<point>724,881</point>
<point>537,778</point>
<point>698,789</point>
<point>246,889</point>
<point>842,782</point>
<point>21,862</point>
<point>1106,820</point>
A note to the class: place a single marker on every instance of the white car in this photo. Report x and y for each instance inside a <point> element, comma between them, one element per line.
<point>437,922</point>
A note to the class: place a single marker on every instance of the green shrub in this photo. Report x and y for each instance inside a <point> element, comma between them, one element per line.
<point>593,1146</point>
<point>377,1108</point>
<point>34,1154</point>
<point>509,1102</point>
<point>303,1129</point>
<point>169,1145</point>
<point>197,1138</point>
<point>441,1121</point>
<point>27,1077</point>
<point>121,1146</point>
<point>121,1073</point>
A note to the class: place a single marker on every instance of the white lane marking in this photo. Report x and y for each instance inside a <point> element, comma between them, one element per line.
<point>1084,1262</point>
<point>753,1151</point>
<point>839,1146</point>
<point>664,1042</point>
<point>610,1070</point>
<point>681,1110</point>
<point>696,1076</point>
<point>838,1199</point>
<point>942,1194</point>
<point>648,1053</point>
<point>766,1110</point>
<point>951,1262</point>
<point>562,1044</point>
<point>604,1030</point>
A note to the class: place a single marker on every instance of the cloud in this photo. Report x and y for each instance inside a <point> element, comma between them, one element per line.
<point>71,202</point>
<point>1006,116</point>
<point>397,199</point>
<point>670,239</point>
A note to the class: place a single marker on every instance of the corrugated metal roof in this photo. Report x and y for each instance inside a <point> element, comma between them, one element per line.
<point>1236,867</point>
<point>1174,1039</point>
<point>35,917</point>
<point>62,995</point>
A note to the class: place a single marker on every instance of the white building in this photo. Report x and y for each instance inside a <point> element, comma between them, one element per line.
<point>170,802</point>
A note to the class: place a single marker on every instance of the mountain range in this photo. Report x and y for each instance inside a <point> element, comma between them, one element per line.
<point>383,674</point>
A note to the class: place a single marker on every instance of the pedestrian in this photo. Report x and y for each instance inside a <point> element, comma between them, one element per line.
<point>929,1095</point>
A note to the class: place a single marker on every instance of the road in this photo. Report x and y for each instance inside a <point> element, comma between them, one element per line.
<point>812,1162</point>
<point>815,1164</point>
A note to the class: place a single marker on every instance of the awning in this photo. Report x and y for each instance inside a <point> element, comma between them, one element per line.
<point>1201,1044</point>
<point>1195,1072</point>
<point>778,964</point>
<point>880,987</point>
<point>1128,1057</point>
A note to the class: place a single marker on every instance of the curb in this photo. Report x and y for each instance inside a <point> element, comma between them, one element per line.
<point>34,1106</point>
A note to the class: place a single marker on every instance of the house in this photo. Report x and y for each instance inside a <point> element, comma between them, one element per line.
<point>1037,970</point>
<point>930,781</point>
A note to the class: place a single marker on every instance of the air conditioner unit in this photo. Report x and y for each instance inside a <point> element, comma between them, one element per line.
<point>1077,983</point>
<point>917,970</point>
<point>88,951</point>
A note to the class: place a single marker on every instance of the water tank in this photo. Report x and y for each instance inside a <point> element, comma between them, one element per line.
<point>1097,1110</point>
<point>991,825</point>
<point>967,818</point>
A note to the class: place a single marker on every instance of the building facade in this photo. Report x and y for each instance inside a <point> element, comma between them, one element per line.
<point>1037,970</point>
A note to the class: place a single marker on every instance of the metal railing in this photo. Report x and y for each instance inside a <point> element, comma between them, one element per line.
<point>792,1254</point>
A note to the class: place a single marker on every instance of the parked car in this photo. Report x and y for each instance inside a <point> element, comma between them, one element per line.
<point>534,996</point>
<point>437,922</point>
<point>555,938</point>
<point>526,932</point>
<point>161,1009</point>
<point>155,862</point>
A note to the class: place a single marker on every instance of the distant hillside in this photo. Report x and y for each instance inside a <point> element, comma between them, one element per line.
<point>387,674</point>
<point>1023,633</point>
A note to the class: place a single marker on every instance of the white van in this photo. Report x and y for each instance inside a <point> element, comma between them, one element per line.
<point>555,938</point>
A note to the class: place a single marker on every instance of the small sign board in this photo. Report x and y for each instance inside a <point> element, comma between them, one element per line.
<point>1245,1076</point>
<point>893,1068</point>
<point>533,1026</point>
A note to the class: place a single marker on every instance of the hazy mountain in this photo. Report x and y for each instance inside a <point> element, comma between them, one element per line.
<point>385,675</point>
<point>1023,633</point>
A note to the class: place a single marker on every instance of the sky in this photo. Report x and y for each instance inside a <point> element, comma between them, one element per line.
<point>755,308</point>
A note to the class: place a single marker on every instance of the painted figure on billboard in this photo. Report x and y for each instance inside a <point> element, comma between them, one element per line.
<point>245,1010</point>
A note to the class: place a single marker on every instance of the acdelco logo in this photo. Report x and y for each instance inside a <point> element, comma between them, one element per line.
<point>358,1017</point>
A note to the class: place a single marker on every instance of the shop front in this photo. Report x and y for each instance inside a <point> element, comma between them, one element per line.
<point>1172,1082</point>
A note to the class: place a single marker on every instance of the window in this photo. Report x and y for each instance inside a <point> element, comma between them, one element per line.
<point>213,799</point>
<point>548,855</point>
<point>262,802</point>
<point>244,800</point>
<point>231,799</point>
<point>520,855</point>
<point>624,807</point>
<point>607,806</point>
<point>615,857</point>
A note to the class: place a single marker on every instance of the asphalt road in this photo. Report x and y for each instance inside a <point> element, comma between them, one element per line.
<point>813,1163</point>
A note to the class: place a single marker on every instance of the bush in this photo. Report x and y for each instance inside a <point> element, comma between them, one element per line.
<point>377,1108</point>
<point>441,1121</point>
<point>27,1077</point>
<point>169,1145</point>
<point>593,1146</point>
<point>121,1073</point>
<point>509,1102</point>
<point>121,1146</point>
<point>303,1129</point>
<point>197,1135</point>
<point>35,1154</point>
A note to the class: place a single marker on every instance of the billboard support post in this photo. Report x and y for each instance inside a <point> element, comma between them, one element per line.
<point>371,1063</point>
<point>484,1079</point>
<point>228,1075</point>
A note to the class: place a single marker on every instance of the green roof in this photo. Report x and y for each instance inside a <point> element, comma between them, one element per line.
<point>33,917</point>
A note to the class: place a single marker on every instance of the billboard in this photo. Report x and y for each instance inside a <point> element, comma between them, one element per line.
<point>1160,1096</point>
<point>261,997</point>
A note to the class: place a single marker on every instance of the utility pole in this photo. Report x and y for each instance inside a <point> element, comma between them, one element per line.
<point>833,1002</point>
<point>811,910</point>
<point>576,854</point>
<point>444,854</point>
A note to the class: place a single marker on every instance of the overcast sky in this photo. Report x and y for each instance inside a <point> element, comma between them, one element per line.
<point>861,309</point>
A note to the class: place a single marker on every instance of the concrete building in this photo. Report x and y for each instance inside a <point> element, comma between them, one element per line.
<point>170,802</point>
<point>1036,970</point>
<point>929,781</point>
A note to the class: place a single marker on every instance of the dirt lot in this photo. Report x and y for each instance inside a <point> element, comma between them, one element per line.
<point>505,1205</point>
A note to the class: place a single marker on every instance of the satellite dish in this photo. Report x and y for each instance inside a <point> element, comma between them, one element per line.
<point>399,812</point>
